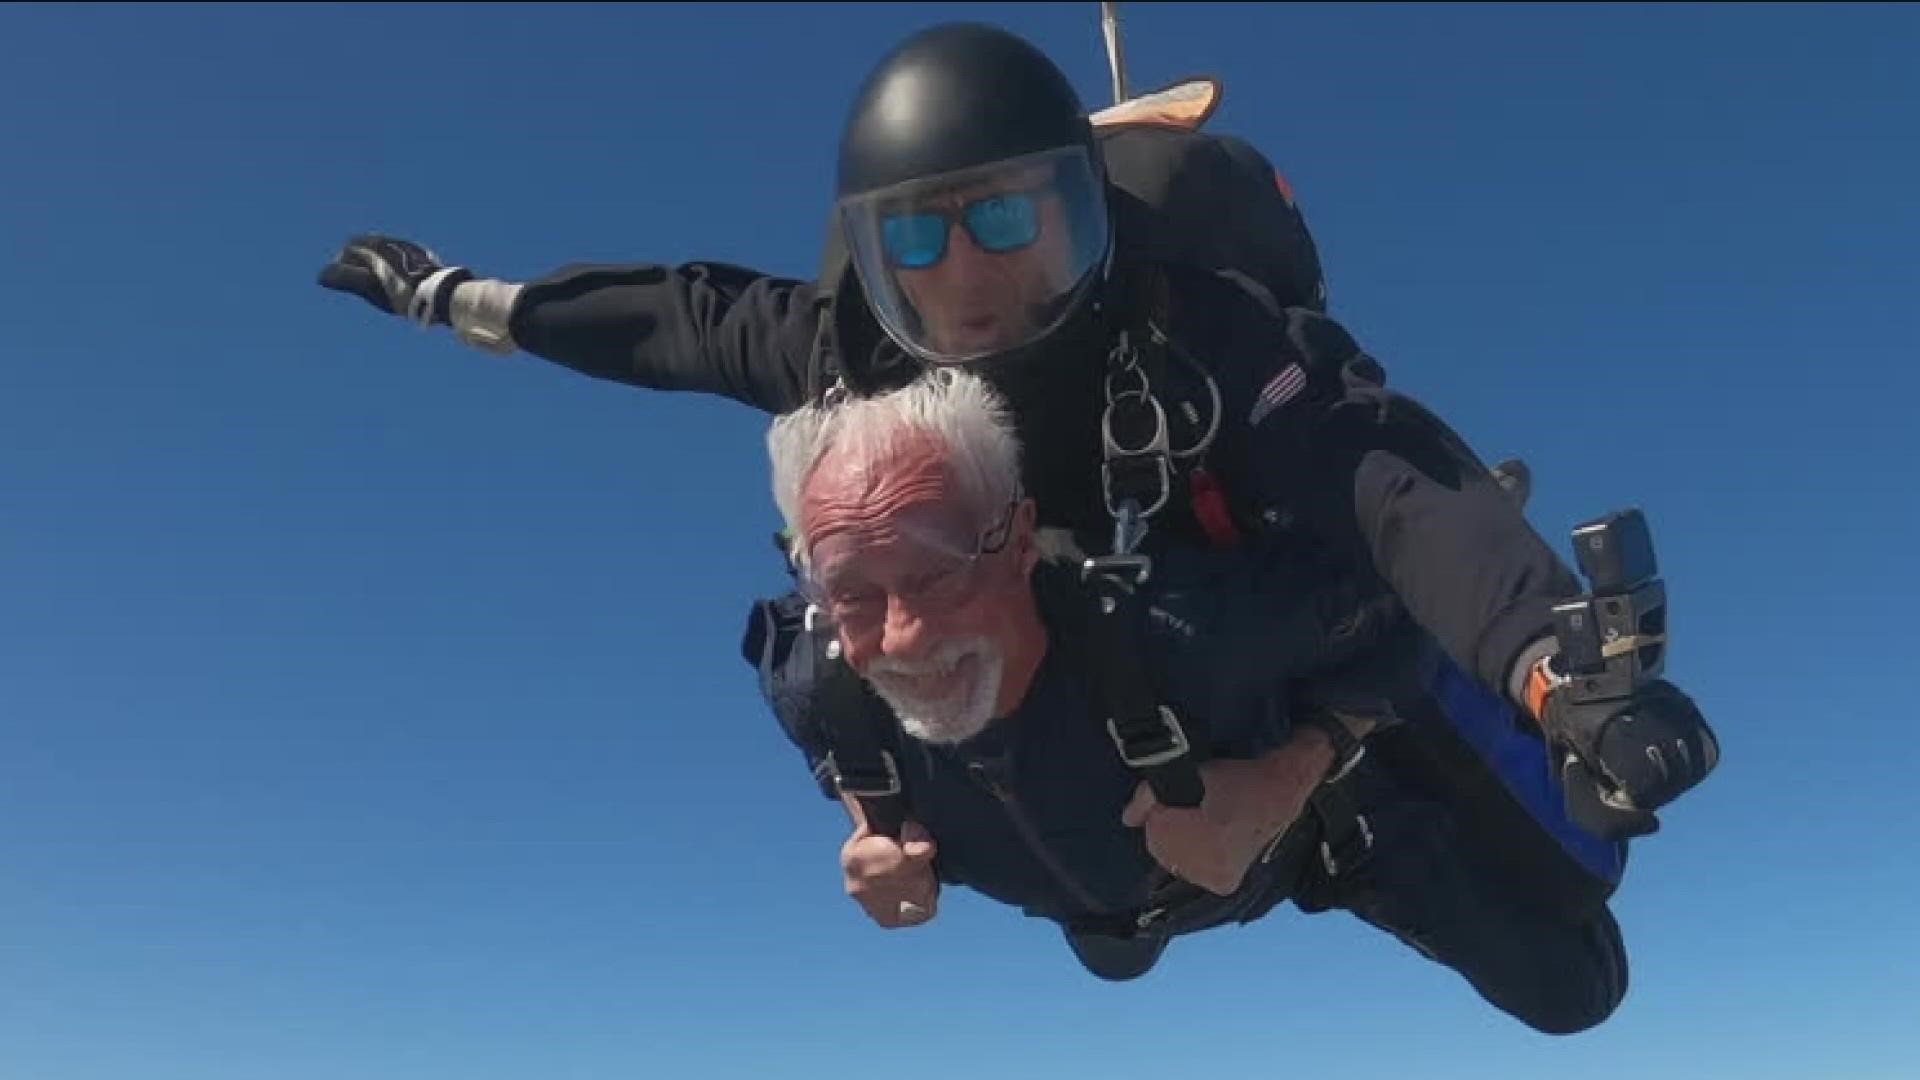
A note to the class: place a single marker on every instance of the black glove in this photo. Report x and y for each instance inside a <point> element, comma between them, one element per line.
<point>1593,806</point>
<point>397,276</point>
<point>1631,756</point>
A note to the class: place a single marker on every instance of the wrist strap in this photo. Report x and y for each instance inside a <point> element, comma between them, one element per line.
<point>1347,750</point>
<point>434,296</point>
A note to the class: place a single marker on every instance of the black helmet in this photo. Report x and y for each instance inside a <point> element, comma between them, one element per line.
<point>971,194</point>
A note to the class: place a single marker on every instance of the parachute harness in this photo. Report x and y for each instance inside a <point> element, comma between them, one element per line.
<point>1137,455</point>
<point>1137,481</point>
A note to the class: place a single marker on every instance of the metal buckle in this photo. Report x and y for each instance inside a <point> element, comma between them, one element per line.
<point>1326,850</point>
<point>1157,442</point>
<point>1138,566</point>
<point>1347,765</point>
<point>1170,724</point>
<point>840,778</point>
<point>819,624</point>
<point>1156,446</point>
<point>1347,750</point>
<point>1163,486</point>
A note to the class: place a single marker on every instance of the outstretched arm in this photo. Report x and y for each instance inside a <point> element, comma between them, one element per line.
<point>710,328</point>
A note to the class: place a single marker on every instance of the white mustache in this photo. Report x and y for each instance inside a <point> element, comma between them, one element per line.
<point>943,661</point>
<point>948,716</point>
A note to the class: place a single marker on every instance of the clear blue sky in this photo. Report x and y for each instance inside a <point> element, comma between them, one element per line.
<point>370,708</point>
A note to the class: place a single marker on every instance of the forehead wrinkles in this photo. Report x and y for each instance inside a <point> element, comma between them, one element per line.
<point>872,494</point>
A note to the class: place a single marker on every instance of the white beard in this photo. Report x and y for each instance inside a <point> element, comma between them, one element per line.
<point>957,716</point>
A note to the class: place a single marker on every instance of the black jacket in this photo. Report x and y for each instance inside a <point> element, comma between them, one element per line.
<point>1317,453</point>
<point>1028,812</point>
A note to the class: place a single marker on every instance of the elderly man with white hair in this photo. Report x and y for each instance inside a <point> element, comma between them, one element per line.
<point>965,633</point>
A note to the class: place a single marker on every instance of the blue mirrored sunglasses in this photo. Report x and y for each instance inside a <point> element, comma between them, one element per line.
<point>998,224</point>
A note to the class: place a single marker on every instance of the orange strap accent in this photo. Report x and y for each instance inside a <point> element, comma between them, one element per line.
<point>1540,684</point>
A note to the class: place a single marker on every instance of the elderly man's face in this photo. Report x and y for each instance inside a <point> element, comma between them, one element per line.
<point>931,596</point>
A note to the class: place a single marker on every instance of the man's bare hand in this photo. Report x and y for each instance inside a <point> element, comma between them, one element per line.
<point>1248,804</point>
<point>893,881</point>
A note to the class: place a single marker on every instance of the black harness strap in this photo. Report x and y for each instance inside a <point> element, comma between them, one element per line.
<point>858,730</point>
<point>1149,735</point>
<point>1346,837</point>
<point>1138,478</point>
<point>1344,833</point>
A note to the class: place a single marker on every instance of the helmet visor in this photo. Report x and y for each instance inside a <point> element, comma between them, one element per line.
<point>969,264</point>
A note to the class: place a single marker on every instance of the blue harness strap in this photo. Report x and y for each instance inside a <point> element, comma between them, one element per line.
<point>1491,726</point>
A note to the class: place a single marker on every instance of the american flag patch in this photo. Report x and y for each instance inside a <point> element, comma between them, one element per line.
<point>1279,390</point>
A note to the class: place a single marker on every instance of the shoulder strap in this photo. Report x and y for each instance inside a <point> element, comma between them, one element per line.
<point>1099,616</point>
<point>858,730</point>
<point>1148,733</point>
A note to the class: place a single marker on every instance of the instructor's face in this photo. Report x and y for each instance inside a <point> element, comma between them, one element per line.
<point>989,291</point>
<point>931,597</point>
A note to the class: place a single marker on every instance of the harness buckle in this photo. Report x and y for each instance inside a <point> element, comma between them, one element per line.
<point>866,784</point>
<point>1138,567</point>
<point>1333,864</point>
<point>1156,468</point>
<point>1151,745</point>
<point>1144,467</point>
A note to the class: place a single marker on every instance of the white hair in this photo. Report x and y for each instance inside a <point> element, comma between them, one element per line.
<point>969,421</point>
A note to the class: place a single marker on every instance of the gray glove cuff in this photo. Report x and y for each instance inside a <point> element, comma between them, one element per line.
<point>482,311</point>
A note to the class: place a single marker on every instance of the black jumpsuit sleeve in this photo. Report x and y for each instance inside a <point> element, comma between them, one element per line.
<point>704,327</point>
<point>1372,472</point>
